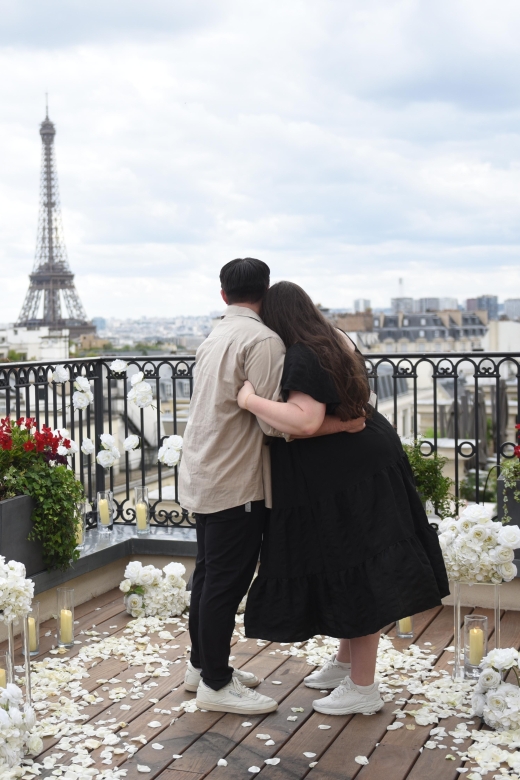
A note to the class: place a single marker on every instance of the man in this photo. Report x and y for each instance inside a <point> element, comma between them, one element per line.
<point>225,481</point>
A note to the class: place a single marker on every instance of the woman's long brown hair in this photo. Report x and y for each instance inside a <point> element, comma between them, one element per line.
<point>288,310</point>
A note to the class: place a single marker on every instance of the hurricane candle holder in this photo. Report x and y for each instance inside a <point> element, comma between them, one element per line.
<point>65,616</point>
<point>81,526</point>
<point>105,511</point>
<point>5,669</point>
<point>475,644</point>
<point>31,627</point>
<point>142,509</point>
<point>404,628</point>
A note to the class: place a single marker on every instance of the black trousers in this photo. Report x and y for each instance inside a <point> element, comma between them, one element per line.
<point>228,544</point>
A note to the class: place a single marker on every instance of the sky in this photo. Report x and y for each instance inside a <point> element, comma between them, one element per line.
<point>348,143</point>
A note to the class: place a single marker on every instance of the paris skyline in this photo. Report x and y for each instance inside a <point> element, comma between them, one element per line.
<point>348,146</point>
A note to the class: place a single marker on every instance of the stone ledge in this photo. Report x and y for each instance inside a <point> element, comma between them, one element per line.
<point>102,549</point>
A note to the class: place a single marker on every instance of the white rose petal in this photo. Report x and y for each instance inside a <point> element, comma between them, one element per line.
<point>272,761</point>
<point>309,755</point>
<point>143,768</point>
<point>157,746</point>
<point>324,727</point>
<point>154,724</point>
<point>363,760</point>
<point>222,762</point>
<point>263,736</point>
<point>254,770</point>
<point>246,724</point>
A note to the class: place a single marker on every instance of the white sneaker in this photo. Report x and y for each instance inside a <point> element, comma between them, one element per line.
<point>347,698</point>
<point>192,678</point>
<point>234,697</point>
<point>330,675</point>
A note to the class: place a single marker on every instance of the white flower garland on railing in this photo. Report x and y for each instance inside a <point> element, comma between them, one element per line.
<point>476,549</point>
<point>16,592</point>
<point>151,592</point>
<point>497,702</point>
<point>170,451</point>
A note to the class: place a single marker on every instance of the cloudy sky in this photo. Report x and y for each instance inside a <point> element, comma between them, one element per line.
<point>345,142</point>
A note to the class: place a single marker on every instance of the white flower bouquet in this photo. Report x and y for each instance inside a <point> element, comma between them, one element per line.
<point>141,392</point>
<point>107,456</point>
<point>497,702</point>
<point>16,724</point>
<point>151,592</point>
<point>170,451</point>
<point>476,549</point>
<point>16,592</point>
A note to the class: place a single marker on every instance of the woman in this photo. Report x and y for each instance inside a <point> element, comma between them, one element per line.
<point>348,548</point>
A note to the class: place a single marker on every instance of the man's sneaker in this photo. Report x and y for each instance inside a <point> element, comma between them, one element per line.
<point>234,697</point>
<point>192,678</point>
<point>330,675</point>
<point>347,698</point>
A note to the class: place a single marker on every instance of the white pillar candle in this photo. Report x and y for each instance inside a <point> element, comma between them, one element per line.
<point>3,678</point>
<point>476,646</point>
<point>405,625</point>
<point>33,639</point>
<point>104,512</point>
<point>141,512</point>
<point>66,628</point>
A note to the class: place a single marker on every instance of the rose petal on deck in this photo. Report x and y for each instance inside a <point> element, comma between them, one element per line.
<point>222,762</point>
<point>309,755</point>
<point>272,761</point>
<point>363,760</point>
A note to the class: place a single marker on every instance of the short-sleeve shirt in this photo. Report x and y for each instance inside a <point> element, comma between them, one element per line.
<point>303,372</point>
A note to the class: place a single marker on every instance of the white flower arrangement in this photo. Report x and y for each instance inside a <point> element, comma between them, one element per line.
<point>109,453</point>
<point>118,366</point>
<point>151,592</point>
<point>170,451</point>
<point>61,375</point>
<point>87,447</point>
<point>497,702</point>
<point>476,549</point>
<point>16,592</point>
<point>83,395</point>
<point>141,392</point>
<point>16,724</point>
<point>131,442</point>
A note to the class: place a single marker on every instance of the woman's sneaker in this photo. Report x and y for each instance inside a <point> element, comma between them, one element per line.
<point>192,678</point>
<point>234,697</point>
<point>330,675</point>
<point>347,698</point>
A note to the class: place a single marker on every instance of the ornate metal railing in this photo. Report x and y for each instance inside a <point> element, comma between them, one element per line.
<point>464,405</point>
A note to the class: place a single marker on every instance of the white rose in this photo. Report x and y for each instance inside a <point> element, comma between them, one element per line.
<point>502,555</point>
<point>73,447</point>
<point>136,378</point>
<point>149,575</point>
<point>509,536</point>
<point>507,570</point>
<point>125,586</point>
<point>141,394</point>
<point>63,451</point>
<point>134,601</point>
<point>107,441</point>
<point>82,384</point>
<point>501,658</point>
<point>61,374</point>
<point>477,513</point>
<point>107,458</point>
<point>81,400</point>
<point>87,447</point>
<point>131,442</point>
<point>133,571</point>
<point>489,678</point>
<point>478,702</point>
<point>448,524</point>
<point>174,569</point>
<point>174,442</point>
<point>496,700</point>
<point>118,366</point>
<point>478,533</point>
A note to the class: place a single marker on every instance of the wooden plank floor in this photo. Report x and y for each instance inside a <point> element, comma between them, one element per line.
<point>200,739</point>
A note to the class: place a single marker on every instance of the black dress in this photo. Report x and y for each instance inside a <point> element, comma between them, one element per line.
<point>348,547</point>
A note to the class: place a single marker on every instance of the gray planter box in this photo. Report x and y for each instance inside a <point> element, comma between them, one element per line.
<point>15,527</point>
<point>513,507</point>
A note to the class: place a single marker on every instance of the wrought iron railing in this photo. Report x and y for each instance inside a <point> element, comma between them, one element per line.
<point>464,405</point>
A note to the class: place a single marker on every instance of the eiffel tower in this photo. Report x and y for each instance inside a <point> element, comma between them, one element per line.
<point>52,279</point>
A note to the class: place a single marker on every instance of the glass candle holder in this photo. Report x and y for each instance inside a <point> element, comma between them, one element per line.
<point>81,527</point>
<point>32,626</point>
<point>475,644</point>
<point>105,511</point>
<point>404,628</point>
<point>65,616</point>
<point>142,509</point>
<point>5,669</point>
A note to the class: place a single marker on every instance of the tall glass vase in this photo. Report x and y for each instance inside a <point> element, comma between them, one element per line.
<point>10,648</point>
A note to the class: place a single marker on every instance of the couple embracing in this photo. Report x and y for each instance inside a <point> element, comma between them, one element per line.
<point>286,459</point>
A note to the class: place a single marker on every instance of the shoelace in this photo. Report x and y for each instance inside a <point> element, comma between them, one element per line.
<point>243,691</point>
<point>342,689</point>
<point>327,665</point>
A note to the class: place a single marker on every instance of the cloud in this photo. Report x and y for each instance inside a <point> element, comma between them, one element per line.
<point>346,143</point>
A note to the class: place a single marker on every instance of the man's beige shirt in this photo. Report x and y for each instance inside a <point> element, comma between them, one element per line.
<point>225,461</point>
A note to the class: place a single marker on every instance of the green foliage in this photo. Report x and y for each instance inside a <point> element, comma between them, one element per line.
<point>487,481</point>
<point>431,483</point>
<point>510,472</point>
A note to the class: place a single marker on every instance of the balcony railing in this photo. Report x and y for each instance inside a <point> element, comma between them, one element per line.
<point>465,406</point>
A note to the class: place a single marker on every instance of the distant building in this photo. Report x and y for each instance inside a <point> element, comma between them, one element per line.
<point>512,308</point>
<point>100,323</point>
<point>471,304</point>
<point>404,305</point>
<point>42,343</point>
<point>448,304</point>
<point>427,304</point>
<point>488,303</point>
<point>502,336</point>
<point>361,304</point>
<point>448,331</point>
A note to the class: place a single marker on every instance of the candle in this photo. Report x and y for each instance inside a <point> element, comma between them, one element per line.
<point>33,639</point>
<point>79,533</point>
<point>476,646</point>
<point>104,513</point>
<point>3,678</point>
<point>405,625</point>
<point>66,629</point>
<point>141,511</point>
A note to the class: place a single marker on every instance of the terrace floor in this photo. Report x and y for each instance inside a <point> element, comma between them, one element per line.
<point>200,739</point>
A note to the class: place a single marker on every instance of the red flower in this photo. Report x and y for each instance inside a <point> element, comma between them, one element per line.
<point>28,446</point>
<point>517,451</point>
<point>6,443</point>
<point>20,421</point>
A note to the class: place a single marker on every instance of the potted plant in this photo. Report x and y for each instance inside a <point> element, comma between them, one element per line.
<point>430,482</point>
<point>39,495</point>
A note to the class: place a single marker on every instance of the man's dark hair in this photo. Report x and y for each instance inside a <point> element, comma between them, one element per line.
<point>245,280</point>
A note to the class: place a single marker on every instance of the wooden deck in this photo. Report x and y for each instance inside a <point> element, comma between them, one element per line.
<point>202,738</point>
